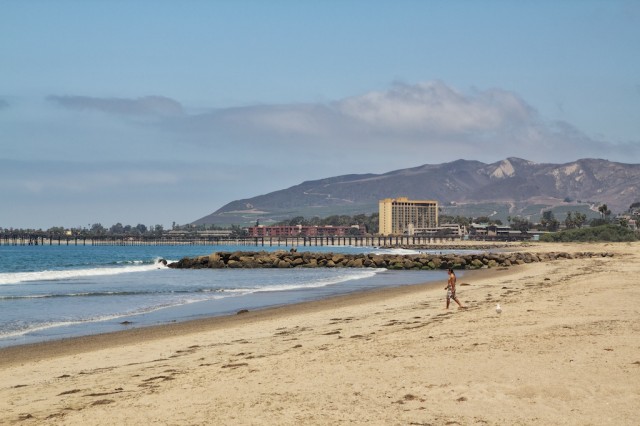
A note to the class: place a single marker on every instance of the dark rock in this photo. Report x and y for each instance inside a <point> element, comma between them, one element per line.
<point>284,259</point>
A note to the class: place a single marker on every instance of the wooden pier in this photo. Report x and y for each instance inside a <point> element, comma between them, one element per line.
<point>356,241</point>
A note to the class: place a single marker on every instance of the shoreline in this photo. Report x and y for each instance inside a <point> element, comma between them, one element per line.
<point>71,345</point>
<point>564,350</point>
<point>495,261</point>
<point>383,261</point>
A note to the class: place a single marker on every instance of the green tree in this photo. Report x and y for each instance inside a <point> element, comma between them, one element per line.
<point>521,224</point>
<point>460,220</point>
<point>117,229</point>
<point>604,211</point>
<point>359,219</point>
<point>315,221</point>
<point>238,232</point>
<point>353,232</point>
<point>605,232</point>
<point>56,230</point>
<point>98,229</point>
<point>579,219</point>
<point>575,220</point>
<point>298,220</point>
<point>549,221</point>
<point>372,223</point>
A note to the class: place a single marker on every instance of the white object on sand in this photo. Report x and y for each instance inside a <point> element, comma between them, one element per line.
<point>498,308</point>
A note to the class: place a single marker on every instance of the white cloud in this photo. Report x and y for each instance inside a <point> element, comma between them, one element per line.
<point>92,156</point>
<point>433,107</point>
<point>406,125</point>
<point>427,120</point>
<point>296,119</point>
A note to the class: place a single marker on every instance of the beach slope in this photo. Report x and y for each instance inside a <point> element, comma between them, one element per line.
<point>564,350</point>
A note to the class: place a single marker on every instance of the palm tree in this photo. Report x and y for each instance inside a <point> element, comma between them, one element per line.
<point>603,210</point>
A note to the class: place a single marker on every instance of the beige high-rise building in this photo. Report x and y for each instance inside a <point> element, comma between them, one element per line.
<point>402,216</point>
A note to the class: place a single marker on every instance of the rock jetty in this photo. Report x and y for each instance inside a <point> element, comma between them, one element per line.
<point>293,259</point>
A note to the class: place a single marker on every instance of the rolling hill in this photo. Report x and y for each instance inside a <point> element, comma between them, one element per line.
<point>509,187</point>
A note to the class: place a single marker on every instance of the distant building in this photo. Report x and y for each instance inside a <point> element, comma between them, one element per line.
<point>485,231</point>
<point>488,230</point>
<point>452,230</point>
<point>401,215</point>
<point>304,231</point>
<point>211,233</point>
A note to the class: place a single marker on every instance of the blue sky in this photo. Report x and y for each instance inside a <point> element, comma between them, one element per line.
<point>156,112</point>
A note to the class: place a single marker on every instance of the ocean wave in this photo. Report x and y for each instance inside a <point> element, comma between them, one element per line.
<point>132,262</point>
<point>32,328</point>
<point>114,293</point>
<point>57,275</point>
<point>155,295</point>
<point>320,282</point>
<point>38,327</point>
<point>396,251</point>
<point>305,282</point>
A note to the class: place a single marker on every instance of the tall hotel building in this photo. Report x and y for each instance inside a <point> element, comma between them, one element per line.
<point>403,216</point>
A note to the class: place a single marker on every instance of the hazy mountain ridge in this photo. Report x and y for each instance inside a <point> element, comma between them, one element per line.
<point>512,180</point>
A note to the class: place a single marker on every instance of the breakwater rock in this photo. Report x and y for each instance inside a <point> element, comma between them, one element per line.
<point>293,259</point>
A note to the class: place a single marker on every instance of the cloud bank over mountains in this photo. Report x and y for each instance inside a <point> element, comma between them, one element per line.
<point>98,152</point>
<point>427,120</point>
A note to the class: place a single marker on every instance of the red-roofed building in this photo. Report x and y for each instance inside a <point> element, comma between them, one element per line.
<point>304,231</point>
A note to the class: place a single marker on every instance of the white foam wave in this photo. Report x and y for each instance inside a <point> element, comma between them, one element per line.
<point>34,328</point>
<point>53,275</point>
<point>398,251</point>
<point>300,285</point>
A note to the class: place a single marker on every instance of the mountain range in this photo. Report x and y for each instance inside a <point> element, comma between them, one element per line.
<point>511,187</point>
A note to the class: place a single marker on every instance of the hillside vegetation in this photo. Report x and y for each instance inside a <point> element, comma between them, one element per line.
<point>612,233</point>
<point>511,187</point>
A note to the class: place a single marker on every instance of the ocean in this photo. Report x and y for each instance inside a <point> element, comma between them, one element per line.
<point>55,292</point>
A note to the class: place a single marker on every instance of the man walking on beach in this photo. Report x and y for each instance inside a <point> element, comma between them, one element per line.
<point>451,289</point>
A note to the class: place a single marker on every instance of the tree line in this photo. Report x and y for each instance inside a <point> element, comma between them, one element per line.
<point>95,230</point>
<point>548,222</point>
<point>573,220</point>
<point>369,222</point>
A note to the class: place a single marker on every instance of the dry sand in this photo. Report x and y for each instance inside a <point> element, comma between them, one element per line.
<point>565,350</point>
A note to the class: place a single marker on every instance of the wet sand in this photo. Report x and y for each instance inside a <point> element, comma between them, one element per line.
<point>564,350</point>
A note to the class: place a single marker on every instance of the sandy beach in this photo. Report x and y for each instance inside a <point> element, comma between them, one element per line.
<point>564,350</point>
